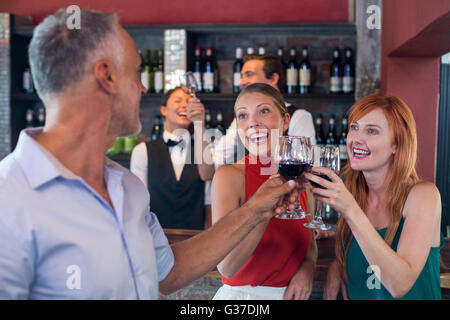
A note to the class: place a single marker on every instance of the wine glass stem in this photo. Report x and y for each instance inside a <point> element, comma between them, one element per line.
<point>318,213</point>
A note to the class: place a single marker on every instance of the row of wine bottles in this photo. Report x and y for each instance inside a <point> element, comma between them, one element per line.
<point>205,70</point>
<point>152,70</point>
<point>298,73</point>
<point>331,137</point>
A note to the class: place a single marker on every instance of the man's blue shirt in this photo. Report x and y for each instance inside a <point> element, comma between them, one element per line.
<point>60,240</point>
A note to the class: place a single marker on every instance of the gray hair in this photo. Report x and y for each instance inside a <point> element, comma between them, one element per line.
<point>59,56</point>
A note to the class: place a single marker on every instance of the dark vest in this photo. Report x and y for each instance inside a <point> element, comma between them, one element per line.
<point>177,204</point>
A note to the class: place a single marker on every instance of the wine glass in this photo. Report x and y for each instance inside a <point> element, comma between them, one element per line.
<point>189,83</point>
<point>323,156</point>
<point>293,157</point>
<point>308,156</point>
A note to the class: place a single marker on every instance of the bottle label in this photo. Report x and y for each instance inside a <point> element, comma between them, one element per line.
<point>347,84</point>
<point>236,79</point>
<point>144,79</point>
<point>158,81</point>
<point>26,80</point>
<point>208,81</point>
<point>291,77</point>
<point>305,77</point>
<point>343,151</point>
<point>335,84</point>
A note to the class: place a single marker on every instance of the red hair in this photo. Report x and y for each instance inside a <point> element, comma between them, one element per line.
<point>402,174</point>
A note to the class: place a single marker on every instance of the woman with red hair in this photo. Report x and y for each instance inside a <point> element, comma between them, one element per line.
<point>388,236</point>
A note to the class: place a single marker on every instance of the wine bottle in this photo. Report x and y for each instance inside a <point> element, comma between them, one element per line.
<point>348,79</point>
<point>237,68</point>
<point>292,73</point>
<point>198,68</point>
<point>159,72</point>
<point>208,72</point>
<point>151,74</point>
<point>305,73</point>
<point>157,128</point>
<point>145,73</point>
<point>207,119</point>
<point>280,54</point>
<point>320,137</point>
<point>343,142</point>
<point>41,116</point>
<point>216,72</point>
<point>29,118</point>
<point>219,122</point>
<point>27,79</point>
<point>331,135</point>
<point>336,72</point>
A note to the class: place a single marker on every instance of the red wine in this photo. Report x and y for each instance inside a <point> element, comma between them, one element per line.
<point>323,176</point>
<point>291,170</point>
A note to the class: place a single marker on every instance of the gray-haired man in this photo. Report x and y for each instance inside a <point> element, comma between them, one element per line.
<point>74,224</point>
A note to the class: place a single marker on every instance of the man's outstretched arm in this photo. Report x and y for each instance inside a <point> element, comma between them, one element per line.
<point>200,254</point>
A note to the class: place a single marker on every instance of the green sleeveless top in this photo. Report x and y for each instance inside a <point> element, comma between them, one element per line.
<point>364,284</point>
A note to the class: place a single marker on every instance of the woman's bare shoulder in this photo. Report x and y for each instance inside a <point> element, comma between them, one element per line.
<point>424,189</point>
<point>423,195</point>
<point>230,171</point>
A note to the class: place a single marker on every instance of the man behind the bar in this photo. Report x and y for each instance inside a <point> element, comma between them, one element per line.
<point>75,225</point>
<point>267,69</point>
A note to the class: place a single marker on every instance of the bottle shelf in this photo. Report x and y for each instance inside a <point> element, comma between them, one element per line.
<point>156,97</point>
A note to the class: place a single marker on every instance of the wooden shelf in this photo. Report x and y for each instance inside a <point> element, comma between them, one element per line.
<point>156,97</point>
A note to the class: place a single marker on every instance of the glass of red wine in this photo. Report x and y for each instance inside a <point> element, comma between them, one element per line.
<point>293,157</point>
<point>323,156</point>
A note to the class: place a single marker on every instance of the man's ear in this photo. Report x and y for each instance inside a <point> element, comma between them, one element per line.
<point>162,109</point>
<point>103,72</point>
<point>274,78</point>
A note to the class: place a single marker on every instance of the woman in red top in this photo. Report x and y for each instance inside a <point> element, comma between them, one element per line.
<point>277,259</point>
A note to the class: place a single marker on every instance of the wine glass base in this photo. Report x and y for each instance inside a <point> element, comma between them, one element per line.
<point>290,215</point>
<point>317,225</point>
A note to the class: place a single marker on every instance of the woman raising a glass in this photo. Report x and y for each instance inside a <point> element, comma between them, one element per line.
<point>277,259</point>
<point>388,236</point>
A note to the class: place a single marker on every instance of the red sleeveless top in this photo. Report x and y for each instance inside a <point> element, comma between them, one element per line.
<point>282,247</point>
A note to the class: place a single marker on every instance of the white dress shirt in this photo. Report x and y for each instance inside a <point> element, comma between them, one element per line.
<point>301,124</point>
<point>178,153</point>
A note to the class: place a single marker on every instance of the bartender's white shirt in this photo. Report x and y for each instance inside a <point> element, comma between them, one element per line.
<point>178,153</point>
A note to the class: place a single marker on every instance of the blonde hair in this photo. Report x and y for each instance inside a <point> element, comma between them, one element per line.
<point>268,90</point>
<point>401,177</point>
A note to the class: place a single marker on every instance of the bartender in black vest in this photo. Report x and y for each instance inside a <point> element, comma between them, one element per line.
<point>169,169</point>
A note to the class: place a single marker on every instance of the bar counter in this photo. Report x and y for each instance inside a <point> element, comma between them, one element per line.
<point>205,287</point>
